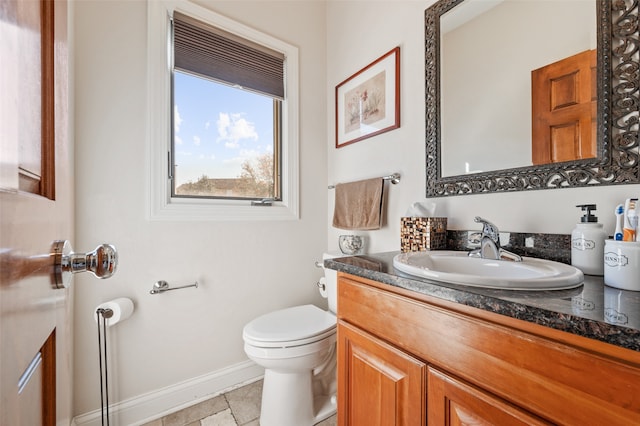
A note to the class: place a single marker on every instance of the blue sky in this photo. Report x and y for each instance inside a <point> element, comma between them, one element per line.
<point>217,128</point>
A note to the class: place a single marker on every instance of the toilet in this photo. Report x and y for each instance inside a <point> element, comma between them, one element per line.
<point>297,348</point>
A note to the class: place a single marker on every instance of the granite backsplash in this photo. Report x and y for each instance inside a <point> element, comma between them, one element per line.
<point>555,247</point>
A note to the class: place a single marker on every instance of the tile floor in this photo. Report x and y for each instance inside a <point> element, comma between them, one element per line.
<point>239,407</point>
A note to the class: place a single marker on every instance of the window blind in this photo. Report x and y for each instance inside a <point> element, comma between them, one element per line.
<point>210,52</point>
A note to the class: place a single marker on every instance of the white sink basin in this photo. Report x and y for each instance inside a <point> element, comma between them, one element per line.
<point>456,267</point>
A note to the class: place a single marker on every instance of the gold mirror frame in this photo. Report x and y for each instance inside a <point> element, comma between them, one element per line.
<point>618,114</point>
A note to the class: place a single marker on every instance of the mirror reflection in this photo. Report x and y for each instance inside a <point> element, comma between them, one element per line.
<point>516,84</point>
<point>484,157</point>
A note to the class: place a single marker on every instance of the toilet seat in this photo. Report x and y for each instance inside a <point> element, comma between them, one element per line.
<point>296,326</point>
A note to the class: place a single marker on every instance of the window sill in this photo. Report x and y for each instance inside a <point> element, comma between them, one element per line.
<point>206,210</point>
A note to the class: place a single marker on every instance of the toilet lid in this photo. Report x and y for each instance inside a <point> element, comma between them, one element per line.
<point>290,327</point>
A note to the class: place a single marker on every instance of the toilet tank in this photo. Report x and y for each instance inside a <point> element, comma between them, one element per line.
<point>331,282</point>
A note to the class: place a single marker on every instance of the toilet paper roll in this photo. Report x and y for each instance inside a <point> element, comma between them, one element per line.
<point>122,309</point>
<point>322,286</point>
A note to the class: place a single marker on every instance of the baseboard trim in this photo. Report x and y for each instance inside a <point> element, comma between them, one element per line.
<point>153,405</point>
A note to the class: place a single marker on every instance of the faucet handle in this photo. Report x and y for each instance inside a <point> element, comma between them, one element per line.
<point>489,229</point>
<point>475,238</point>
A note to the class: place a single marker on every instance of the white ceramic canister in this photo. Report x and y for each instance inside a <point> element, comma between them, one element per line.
<point>587,243</point>
<point>622,264</point>
<point>587,247</point>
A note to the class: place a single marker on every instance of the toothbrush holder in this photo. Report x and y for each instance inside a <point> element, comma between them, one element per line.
<point>622,264</point>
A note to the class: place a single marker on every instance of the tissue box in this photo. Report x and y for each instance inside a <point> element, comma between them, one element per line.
<point>423,233</point>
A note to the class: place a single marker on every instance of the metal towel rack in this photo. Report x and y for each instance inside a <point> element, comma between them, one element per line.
<point>394,178</point>
<point>162,286</point>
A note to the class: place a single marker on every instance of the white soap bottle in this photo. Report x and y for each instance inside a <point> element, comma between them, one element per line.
<point>587,243</point>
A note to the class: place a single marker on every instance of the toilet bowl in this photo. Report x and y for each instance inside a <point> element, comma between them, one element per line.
<point>297,348</point>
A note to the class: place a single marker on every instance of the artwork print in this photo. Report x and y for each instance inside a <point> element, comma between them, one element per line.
<point>368,102</point>
<point>365,104</point>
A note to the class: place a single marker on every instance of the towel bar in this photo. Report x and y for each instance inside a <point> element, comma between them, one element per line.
<point>394,178</point>
<point>162,286</point>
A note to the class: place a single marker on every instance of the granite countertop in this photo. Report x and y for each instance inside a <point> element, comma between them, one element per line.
<point>593,310</point>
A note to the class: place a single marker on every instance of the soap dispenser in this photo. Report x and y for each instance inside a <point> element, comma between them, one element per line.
<point>587,243</point>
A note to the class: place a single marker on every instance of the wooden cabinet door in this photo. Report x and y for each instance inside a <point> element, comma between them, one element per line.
<point>378,385</point>
<point>453,402</point>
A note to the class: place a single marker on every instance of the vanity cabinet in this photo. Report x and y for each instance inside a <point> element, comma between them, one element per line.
<point>383,385</point>
<point>454,402</point>
<point>405,358</point>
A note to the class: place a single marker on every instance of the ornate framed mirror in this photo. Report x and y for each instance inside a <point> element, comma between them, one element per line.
<point>451,111</point>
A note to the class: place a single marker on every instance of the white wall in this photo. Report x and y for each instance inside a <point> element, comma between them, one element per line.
<point>367,30</point>
<point>245,269</point>
<point>365,34</point>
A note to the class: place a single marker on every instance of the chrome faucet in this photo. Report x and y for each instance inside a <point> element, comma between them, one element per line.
<point>489,239</point>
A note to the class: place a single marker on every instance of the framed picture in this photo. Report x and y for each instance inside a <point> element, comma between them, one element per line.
<point>368,102</point>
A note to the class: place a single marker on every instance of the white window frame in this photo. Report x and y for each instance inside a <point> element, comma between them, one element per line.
<point>161,205</point>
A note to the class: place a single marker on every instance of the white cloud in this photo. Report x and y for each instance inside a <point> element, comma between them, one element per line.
<point>234,160</point>
<point>196,140</point>
<point>178,140</point>
<point>223,123</point>
<point>232,128</point>
<point>177,120</point>
<point>243,155</point>
<point>249,153</point>
<point>207,125</point>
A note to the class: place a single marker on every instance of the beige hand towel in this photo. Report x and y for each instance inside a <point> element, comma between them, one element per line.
<point>359,205</point>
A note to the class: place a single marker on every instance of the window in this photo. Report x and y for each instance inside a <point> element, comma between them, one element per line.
<point>223,153</point>
<point>227,93</point>
<point>223,129</point>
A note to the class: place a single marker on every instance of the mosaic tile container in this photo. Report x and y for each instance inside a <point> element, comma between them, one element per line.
<point>423,233</point>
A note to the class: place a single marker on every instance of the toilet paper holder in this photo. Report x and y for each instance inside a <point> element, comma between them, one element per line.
<point>105,312</point>
<point>162,286</point>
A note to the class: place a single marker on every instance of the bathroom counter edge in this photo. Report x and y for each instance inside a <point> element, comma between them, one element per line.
<point>580,311</point>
